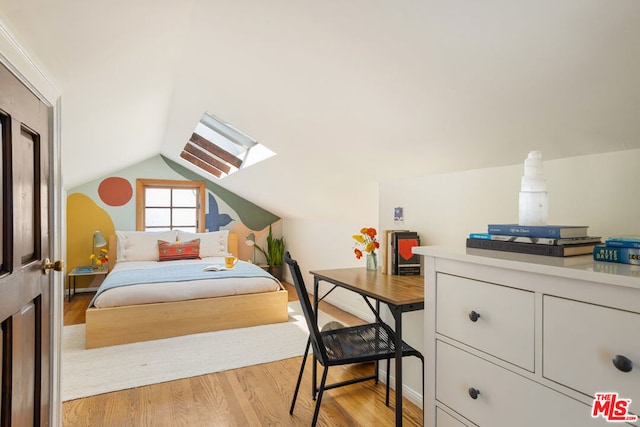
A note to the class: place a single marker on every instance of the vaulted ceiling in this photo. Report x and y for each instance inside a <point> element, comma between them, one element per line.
<point>346,93</point>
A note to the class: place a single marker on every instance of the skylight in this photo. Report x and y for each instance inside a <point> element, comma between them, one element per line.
<point>220,149</point>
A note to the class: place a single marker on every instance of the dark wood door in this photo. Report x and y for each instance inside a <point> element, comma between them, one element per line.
<point>25,301</point>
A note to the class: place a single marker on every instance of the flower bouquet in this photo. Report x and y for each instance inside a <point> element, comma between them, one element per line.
<point>100,260</point>
<point>367,241</point>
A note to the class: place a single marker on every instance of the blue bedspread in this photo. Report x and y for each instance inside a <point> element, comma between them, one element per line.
<point>176,273</point>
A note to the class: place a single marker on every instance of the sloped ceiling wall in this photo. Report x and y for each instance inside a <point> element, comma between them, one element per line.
<point>348,94</point>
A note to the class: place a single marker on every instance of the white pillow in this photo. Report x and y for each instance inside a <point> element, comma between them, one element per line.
<point>215,243</point>
<point>141,245</point>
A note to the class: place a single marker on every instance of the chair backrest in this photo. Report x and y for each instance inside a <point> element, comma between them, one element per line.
<point>309,315</point>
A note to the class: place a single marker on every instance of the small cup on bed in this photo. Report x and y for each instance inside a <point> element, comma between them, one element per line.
<point>230,261</point>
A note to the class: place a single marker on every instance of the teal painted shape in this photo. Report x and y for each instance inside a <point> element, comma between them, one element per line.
<point>250,214</point>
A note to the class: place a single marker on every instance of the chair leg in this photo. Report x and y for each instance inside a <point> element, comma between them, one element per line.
<point>422,359</point>
<point>386,401</point>
<point>320,392</point>
<point>304,360</point>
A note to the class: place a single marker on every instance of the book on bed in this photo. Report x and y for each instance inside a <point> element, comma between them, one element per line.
<point>216,267</point>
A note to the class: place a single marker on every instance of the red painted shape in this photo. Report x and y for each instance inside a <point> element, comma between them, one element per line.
<point>115,191</point>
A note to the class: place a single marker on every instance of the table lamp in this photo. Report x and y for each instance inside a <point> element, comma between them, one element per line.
<point>251,241</point>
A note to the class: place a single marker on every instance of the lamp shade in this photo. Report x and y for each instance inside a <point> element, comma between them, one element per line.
<point>251,239</point>
<point>98,239</point>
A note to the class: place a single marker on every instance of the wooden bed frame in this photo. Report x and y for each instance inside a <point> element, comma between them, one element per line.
<point>145,322</point>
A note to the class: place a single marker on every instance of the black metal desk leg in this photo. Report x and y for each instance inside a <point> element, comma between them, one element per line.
<point>397,314</point>
<point>69,285</point>
<point>314,369</point>
<point>377,361</point>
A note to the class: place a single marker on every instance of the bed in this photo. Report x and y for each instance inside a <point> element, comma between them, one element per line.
<point>216,302</point>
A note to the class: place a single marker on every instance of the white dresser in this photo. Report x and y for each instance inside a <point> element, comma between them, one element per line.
<point>516,340</point>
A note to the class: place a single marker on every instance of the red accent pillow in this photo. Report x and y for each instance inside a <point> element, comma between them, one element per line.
<point>170,251</point>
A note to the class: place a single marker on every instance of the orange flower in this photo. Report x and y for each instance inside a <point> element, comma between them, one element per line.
<point>371,232</point>
<point>366,241</point>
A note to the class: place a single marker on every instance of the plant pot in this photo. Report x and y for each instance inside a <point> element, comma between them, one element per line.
<point>275,271</point>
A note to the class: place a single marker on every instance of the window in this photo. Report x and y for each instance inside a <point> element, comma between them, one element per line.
<point>170,205</point>
<point>220,149</point>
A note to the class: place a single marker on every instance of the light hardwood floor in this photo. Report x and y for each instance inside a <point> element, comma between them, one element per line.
<point>257,395</point>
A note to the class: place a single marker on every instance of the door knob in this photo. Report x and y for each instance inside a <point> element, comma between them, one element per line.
<point>47,265</point>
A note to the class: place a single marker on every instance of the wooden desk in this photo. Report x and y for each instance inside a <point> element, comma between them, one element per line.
<point>400,293</point>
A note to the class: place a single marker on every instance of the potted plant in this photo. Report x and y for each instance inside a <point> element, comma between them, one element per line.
<point>274,255</point>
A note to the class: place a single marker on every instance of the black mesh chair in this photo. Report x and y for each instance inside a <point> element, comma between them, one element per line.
<point>354,344</point>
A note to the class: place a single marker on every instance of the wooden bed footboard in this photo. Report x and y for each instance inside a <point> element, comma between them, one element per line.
<point>145,322</point>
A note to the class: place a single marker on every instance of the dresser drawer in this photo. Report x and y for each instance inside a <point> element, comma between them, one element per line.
<point>505,326</point>
<point>504,399</point>
<point>580,341</point>
<point>445,420</point>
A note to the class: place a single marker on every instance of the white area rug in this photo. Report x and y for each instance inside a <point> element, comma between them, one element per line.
<point>102,370</point>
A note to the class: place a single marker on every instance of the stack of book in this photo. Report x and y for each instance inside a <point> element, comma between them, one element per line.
<point>622,249</point>
<point>548,240</point>
<point>397,255</point>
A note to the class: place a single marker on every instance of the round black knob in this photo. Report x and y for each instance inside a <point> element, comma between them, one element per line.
<point>622,363</point>
<point>474,316</point>
<point>474,392</point>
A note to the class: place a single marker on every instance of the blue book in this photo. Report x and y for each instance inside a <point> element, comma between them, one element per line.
<point>616,254</point>
<point>552,231</point>
<point>624,241</point>
<point>481,236</point>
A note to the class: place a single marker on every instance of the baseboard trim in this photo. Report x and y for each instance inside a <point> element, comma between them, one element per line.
<point>85,290</point>
<point>411,395</point>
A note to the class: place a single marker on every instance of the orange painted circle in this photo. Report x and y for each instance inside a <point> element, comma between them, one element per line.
<point>115,191</point>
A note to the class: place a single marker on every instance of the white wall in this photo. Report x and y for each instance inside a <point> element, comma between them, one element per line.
<point>597,190</point>
<point>320,245</point>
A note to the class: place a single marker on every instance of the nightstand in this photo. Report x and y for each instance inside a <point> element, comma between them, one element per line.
<point>80,271</point>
